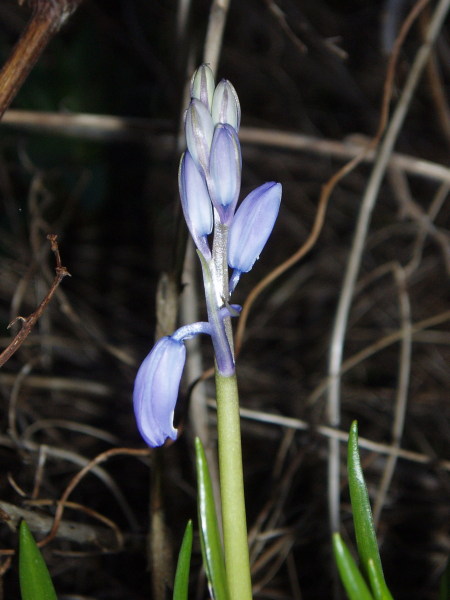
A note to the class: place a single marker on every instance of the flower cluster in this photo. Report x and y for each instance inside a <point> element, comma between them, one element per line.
<point>209,181</point>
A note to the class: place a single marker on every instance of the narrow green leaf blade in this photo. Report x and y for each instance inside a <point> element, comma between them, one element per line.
<point>377,583</point>
<point>362,514</point>
<point>181,584</point>
<point>209,530</point>
<point>351,578</point>
<point>35,580</point>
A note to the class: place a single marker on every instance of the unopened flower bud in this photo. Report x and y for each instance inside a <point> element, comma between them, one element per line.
<point>196,203</point>
<point>202,86</point>
<point>199,133</point>
<point>225,105</point>
<point>225,164</point>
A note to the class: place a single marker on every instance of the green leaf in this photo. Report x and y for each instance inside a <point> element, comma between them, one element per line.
<point>351,578</point>
<point>211,544</point>
<point>35,581</point>
<point>377,583</point>
<point>366,539</point>
<point>181,584</point>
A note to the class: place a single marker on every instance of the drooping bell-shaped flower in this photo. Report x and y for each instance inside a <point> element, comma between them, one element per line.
<point>225,105</point>
<point>196,203</point>
<point>156,391</point>
<point>225,165</point>
<point>199,128</point>
<point>158,378</point>
<point>251,227</point>
<point>202,86</point>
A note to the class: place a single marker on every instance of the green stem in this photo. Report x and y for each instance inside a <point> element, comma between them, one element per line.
<point>232,489</point>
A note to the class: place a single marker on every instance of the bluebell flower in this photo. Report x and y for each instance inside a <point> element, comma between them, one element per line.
<point>225,105</point>
<point>196,203</point>
<point>199,129</point>
<point>202,86</point>
<point>209,176</point>
<point>251,227</point>
<point>158,380</point>
<point>156,391</point>
<point>225,164</point>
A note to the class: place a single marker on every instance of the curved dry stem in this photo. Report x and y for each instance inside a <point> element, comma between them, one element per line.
<point>342,436</point>
<point>100,458</point>
<point>367,205</point>
<point>402,389</point>
<point>377,346</point>
<point>334,180</point>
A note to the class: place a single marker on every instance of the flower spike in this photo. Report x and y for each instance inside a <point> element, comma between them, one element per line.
<point>209,180</point>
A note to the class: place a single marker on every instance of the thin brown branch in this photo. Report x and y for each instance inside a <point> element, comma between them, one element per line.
<point>29,322</point>
<point>46,19</point>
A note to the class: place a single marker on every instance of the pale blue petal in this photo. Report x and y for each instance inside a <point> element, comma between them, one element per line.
<point>196,203</point>
<point>225,105</point>
<point>202,86</point>
<point>225,164</point>
<point>199,129</point>
<point>252,225</point>
<point>156,391</point>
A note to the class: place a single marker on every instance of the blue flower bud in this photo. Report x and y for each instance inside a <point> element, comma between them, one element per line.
<point>199,133</point>
<point>251,226</point>
<point>196,203</point>
<point>225,105</point>
<point>202,86</point>
<point>156,391</point>
<point>225,164</point>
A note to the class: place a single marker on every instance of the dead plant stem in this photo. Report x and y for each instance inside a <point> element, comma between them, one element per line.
<point>367,206</point>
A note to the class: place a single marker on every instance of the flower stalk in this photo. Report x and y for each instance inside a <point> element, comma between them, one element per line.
<point>234,520</point>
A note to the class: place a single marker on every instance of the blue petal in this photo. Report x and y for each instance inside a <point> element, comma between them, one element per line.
<point>156,391</point>
<point>252,225</point>
<point>225,163</point>
<point>196,203</point>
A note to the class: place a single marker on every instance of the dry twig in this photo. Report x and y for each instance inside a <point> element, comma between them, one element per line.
<point>29,322</point>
